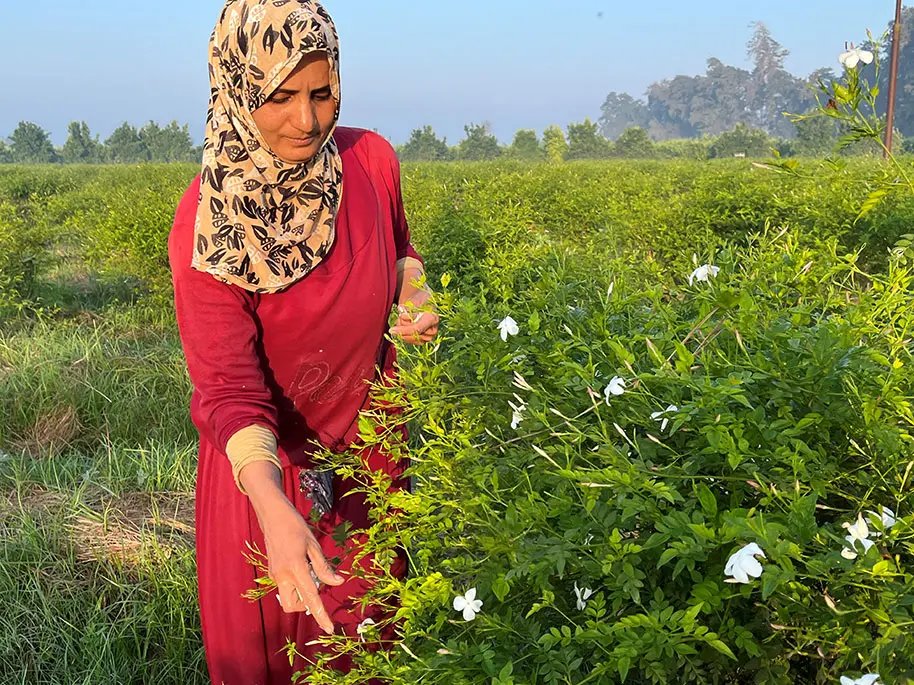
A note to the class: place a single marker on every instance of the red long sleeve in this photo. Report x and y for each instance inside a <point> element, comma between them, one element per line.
<point>400,225</point>
<point>219,334</point>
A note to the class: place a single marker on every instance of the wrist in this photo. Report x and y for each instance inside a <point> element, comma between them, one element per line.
<point>262,482</point>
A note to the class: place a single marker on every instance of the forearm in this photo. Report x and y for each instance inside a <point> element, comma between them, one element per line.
<point>410,272</point>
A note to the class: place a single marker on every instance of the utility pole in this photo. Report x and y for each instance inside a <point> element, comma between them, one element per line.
<point>893,78</point>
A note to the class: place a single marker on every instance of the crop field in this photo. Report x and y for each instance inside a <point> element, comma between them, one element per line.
<point>708,356</point>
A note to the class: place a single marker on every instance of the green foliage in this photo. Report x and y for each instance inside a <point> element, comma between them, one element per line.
<point>742,141</point>
<point>585,142</point>
<point>634,143</point>
<point>169,144</point>
<point>526,147</point>
<point>31,144</point>
<point>478,145</point>
<point>125,146</point>
<point>816,137</point>
<point>791,372</point>
<point>22,254</point>
<point>81,147</point>
<point>683,148</point>
<point>424,146</point>
<point>554,144</point>
<point>792,381</point>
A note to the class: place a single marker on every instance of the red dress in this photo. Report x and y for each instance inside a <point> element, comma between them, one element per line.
<point>297,363</point>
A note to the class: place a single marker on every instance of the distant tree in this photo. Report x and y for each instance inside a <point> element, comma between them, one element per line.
<point>479,143</point>
<point>585,142</point>
<point>124,145</point>
<point>526,146</point>
<point>816,137</point>
<point>554,144</point>
<point>684,148</point>
<point>169,144</point>
<point>621,111</point>
<point>31,144</point>
<point>81,147</point>
<point>6,155</point>
<point>741,141</point>
<point>424,146</point>
<point>773,90</point>
<point>634,143</point>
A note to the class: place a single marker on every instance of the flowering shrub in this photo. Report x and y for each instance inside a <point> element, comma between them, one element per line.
<point>604,546</point>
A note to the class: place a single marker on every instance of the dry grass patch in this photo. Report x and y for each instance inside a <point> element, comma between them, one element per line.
<point>126,529</point>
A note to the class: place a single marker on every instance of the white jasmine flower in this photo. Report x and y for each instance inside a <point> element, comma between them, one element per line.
<point>609,290</point>
<point>616,387</point>
<point>518,415</point>
<point>364,627</point>
<point>582,595</point>
<point>659,416</point>
<point>703,273</point>
<point>857,532</point>
<point>850,58</point>
<point>508,326</point>
<point>887,518</point>
<point>868,679</point>
<point>468,604</point>
<point>743,563</point>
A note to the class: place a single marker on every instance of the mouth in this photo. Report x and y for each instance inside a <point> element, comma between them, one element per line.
<point>302,142</point>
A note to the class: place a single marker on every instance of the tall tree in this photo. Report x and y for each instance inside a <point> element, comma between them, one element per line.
<point>6,155</point>
<point>81,147</point>
<point>621,111</point>
<point>124,145</point>
<point>585,142</point>
<point>169,144</point>
<point>31,144</point>
<point>773,90</point>
<point>634,143</point>
<point>741,141</point>
<point>554,144</point>
<point>526,146</point>
<point>425,146</point>
<point>479,143</point>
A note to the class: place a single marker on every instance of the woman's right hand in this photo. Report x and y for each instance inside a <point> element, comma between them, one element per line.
<point>292,550</point>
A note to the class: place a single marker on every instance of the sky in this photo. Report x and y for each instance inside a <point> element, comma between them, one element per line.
<point>405,63</point>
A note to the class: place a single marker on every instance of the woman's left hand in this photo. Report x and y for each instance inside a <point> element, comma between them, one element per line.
<point>417,323</point>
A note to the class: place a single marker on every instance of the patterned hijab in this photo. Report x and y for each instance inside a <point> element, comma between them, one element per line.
<point>263,223</point>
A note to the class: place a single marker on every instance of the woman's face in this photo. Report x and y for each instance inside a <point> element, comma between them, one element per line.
<point>298,115</point>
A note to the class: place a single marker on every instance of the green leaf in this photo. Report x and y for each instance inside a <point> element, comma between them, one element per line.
<point>872,201</point>
<point>707,499</point>
<point>667,556</point>
<point>721,647</point>
<point>623,665</point>
<point>501,588</point>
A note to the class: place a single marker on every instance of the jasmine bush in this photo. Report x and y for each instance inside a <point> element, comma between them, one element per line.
<point>659,429</point>
<point>598,475</point>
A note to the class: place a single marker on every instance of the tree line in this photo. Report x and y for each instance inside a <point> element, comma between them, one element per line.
<point>725,112</point>
<point>725,96</point>
<point>31,144</point>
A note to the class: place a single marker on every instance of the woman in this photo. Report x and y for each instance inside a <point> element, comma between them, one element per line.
<point>287,254</point>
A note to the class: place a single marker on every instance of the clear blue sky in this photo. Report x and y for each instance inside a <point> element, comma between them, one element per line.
<point>406,63</point>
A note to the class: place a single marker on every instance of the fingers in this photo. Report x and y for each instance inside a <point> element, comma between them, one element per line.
<point>289,597</point>
<point>308,589</point>
<point>417,330</point>
<point>321,569</point>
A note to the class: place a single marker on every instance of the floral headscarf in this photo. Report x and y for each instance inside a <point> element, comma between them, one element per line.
<point>263,223</point>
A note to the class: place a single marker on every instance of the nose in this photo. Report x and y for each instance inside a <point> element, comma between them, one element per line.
<point>306,116</point>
